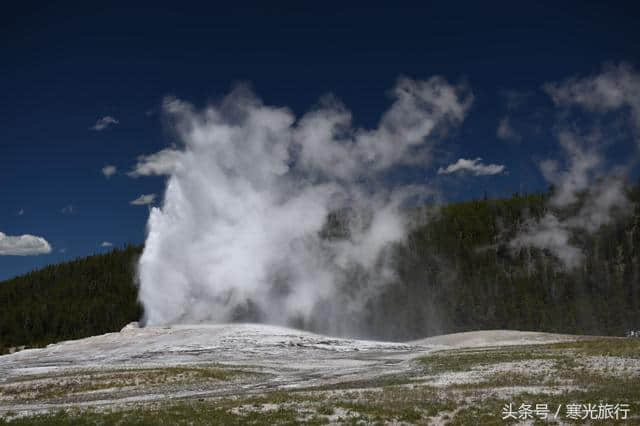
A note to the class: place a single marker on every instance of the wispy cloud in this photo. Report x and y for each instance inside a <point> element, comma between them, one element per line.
<point>506,131</point>
<point>514,101</point>
<point>144,199</point>
<point>581,179</point>
<point>616,87</point>
<point>20,212</point>
<point>159,163</point>
<point>109,170</point>
<point>23,245</point>
<point>104,123</point>
<point>67,209</point>
<point>106,244</point>
<point>600,200</point>
<point>474,166</point>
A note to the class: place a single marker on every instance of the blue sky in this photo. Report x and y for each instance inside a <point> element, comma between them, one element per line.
<point>66,66</point>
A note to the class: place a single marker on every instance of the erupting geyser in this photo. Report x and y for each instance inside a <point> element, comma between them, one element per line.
<point>250,188</point>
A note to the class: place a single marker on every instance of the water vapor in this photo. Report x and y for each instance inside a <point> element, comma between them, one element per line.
<point>245,228</point>
<point>583,183</point>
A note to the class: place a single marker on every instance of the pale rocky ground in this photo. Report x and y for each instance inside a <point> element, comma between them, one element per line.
<point>149,367</point>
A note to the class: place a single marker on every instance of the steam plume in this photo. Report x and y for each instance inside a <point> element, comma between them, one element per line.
<point>586,176</point>
<point>250,188</point>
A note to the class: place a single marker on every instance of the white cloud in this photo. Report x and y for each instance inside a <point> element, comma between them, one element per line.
<point>109,170</point>
<point>159,163</point>
<point>474,166</point>
<point>106,244</point>
<point>616,87</point>
<point>67,209</point>
<point>20,212</point>
<point>23,245</point>
<point>104,123</point>
<point>143,199</point>
<point>506,131</point>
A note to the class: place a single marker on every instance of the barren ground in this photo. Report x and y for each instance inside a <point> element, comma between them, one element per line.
<point>248,373</point>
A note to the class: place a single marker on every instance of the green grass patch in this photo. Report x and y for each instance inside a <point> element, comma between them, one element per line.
<point>402,403</point>
<point>465,360</point>
<point>175,414</point>
<point>49,387</point>
<point>605,346</point>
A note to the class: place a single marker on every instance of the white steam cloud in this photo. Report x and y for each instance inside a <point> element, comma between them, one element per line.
<point>249,194</point>
<point>551,234</point>
<point>618,86</point>
<point>585,179</point>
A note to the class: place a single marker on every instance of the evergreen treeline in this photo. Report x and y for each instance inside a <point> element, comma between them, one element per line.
<point>455,272</point>
<point>85,297</point>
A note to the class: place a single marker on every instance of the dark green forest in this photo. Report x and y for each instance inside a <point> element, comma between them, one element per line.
<point>85,297</point>
<point>455,272</point>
